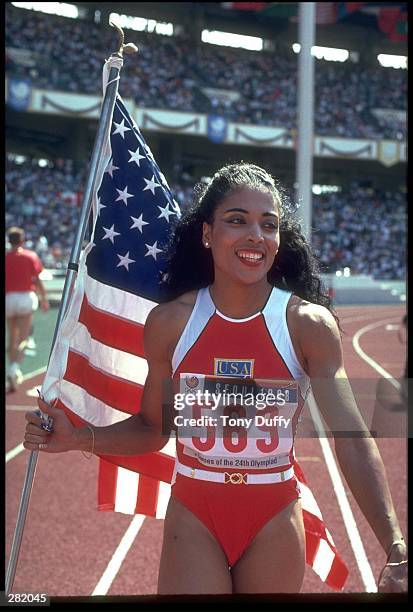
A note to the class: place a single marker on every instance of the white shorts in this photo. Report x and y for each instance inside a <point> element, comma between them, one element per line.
<point>20,303</point>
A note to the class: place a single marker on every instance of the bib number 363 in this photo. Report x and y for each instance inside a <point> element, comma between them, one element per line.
<point>233,426</point>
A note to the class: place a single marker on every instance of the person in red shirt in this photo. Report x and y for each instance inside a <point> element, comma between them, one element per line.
<point>22,285</point>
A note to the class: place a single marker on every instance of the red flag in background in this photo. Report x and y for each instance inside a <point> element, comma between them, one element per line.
<point>326,13</point>
<point>393,22</point>
<point>244,6</point>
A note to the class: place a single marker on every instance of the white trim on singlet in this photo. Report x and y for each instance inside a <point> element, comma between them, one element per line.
<point>230,319</point>
<point>275,317</point>
<point>257,314</point>
<point>202,311</point>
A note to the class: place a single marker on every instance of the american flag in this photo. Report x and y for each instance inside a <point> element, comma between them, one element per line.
<point>97,368</point>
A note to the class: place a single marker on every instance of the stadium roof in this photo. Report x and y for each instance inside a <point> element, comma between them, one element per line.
<point>339,23</point>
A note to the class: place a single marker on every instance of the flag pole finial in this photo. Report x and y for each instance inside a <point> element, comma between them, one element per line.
<point>129,47</point>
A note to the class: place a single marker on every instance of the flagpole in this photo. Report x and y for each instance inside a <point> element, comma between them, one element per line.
<point>305,145</point>
<point>72,269</point>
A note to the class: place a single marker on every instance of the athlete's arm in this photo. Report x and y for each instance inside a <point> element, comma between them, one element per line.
<point>41,291</point>
<point>357,454</point>
<point>142,433</point>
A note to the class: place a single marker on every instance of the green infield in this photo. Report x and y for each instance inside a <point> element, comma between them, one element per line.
<point>44,325</point>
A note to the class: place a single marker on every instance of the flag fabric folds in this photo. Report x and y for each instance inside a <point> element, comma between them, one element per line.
<point>97,368</point>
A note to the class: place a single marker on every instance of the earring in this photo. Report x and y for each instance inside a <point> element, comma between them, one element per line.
<point>206,243</point>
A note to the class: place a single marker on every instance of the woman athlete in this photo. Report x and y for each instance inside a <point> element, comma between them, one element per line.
<point>246,303</point>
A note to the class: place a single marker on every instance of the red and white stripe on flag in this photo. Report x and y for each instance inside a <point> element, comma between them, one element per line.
<point>321,553</point>
<point>126,491</point>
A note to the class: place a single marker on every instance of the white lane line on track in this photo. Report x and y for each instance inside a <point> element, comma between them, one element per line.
<point>343,503</point>
<point>18,408</point>
<point>354,319</point>
<point>14,452</point>
<point>350,524</point>
<point>119,555</point>
<point>351,319</point>
<point>34,373</point>
<point>20,448</point>
<point>366,357</point>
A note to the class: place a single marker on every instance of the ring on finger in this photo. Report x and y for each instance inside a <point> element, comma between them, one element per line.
<point>47,423</point>
<point>42,446</point>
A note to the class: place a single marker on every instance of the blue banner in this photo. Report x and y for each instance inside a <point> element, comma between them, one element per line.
<point>217,128</point>
<point>19,93</point>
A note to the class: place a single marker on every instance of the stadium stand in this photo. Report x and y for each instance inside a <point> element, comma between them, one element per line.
<point>171,73</point>
<point>371,222</point>
<point>360,226</point>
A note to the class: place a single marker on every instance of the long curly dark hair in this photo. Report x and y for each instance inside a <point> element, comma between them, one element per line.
<point>190,266</point>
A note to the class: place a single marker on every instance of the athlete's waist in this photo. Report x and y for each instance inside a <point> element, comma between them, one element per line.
<point>234,477</point>
<point>269,464</point>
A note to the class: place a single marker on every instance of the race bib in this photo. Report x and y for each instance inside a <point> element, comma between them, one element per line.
<point>223,419</point>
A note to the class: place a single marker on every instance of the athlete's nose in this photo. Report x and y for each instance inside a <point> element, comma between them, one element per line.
<point>255,233</point>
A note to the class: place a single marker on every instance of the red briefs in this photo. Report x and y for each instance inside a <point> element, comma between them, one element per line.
<point>234,514</point>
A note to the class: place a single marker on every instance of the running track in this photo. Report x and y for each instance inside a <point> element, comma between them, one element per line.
<point>70,549</point>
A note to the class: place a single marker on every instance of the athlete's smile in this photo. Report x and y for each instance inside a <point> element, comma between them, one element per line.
<point>250,257</point>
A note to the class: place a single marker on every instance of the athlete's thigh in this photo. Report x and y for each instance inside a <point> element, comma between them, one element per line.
<point>275,560</point>
<point>24,323</point>
<point>192,560</point>
<point>13,331</point>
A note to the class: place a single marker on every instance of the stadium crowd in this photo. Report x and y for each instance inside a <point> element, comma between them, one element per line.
<point>359,227</point>
<point>37,200</point>
<point>169,72</point>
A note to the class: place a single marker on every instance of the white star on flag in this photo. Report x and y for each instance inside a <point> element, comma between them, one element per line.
<point>110,233</point>
<point>165,213</point>
<point>139,223</point>
<point>153,250</point>
<point>111,168</point>
<point>124,195</point>
<point>125,261</point>
<point>121,128</point>
<point>136,156</point>
<point>100,206</point>
<point>152,184</point>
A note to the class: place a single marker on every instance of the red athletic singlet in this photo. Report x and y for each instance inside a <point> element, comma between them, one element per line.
<point>260,348</point>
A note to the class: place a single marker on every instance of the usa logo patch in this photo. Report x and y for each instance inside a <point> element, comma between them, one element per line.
<point>243,368</point>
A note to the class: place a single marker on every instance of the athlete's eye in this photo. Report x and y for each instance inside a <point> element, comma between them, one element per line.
<point>271,226</point>
<point>236,220</point>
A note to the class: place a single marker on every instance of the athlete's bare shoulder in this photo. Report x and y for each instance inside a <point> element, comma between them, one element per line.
<point>309,314</point>
<point>310,325</point>
<point>166,322</point>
